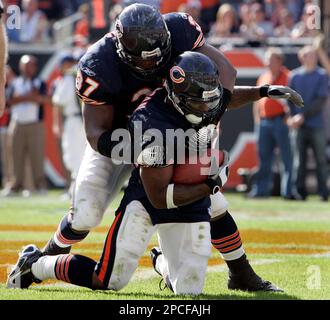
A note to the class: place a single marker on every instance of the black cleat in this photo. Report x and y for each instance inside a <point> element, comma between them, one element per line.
<point>250,281</point>
<point>164,283</point>
<point>155,252</point>
<point>21,275</point>
<point>52,249</point>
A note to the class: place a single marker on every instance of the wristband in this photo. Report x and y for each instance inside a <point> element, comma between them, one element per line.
<point>214,187</point>
<point>263,92</point>
<point>169,197</point>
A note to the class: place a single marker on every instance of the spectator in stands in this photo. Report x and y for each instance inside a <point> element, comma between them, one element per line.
<point>3,60</point>
<point>167,6</point>
<point>226,24</point>
<point>81,33</point>
<point>114,13</point>
<point>72,6</point>
<point>34,25</point>
<point>26,129</point>
<point>4,122</point>
<point>67,118</point>
<point>53,9</point>
<point>260,21</point>
<point>325,61</point>
<point>99,19</point>
<point>286,24</point>
<point>269,118</point>
<point>296,8</point>
<point>275,12</point>
<point>323,56</point>
<point>306,27</point>
<point>249,28</point>
<point>209,12</point>
<point>244,15</point>
<point>312,83</point>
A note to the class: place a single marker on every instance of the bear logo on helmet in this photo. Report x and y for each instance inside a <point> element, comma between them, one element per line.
<point>177,74</point>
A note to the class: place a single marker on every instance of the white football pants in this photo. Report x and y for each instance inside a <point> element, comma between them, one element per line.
<point>186,249</point>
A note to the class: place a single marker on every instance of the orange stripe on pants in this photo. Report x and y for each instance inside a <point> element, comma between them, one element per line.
<point>107,249</point>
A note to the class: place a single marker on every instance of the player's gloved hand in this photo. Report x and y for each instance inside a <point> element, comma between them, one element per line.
<point>218,175</point>
<point>282,92</point>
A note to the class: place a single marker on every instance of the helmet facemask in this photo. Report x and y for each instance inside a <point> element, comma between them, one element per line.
<point>199,111</point>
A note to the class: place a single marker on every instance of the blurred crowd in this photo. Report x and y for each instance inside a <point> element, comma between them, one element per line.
<point>253,20</point>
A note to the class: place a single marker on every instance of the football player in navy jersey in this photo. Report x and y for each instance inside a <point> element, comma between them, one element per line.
<point>114,75</point>
<point>193,98</point>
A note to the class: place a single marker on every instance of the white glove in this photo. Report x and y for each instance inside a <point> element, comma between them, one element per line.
<point>218,176</point>
<point>283,92</point>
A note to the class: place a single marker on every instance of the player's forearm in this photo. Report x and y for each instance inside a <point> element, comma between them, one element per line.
<point>243,95</point>
<point>182,195</point>
<point>98,125</point>
<point>227,73</point>
<point>186,194</point>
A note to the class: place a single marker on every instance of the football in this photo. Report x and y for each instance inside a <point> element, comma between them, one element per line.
<point>195,169</point>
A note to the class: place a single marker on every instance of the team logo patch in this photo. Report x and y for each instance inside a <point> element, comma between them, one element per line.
<point>177,74</point>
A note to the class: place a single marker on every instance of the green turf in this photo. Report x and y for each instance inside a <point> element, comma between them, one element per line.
<point>303,276</point>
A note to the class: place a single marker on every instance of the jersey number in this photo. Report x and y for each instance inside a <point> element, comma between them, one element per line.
<point>92,84</point>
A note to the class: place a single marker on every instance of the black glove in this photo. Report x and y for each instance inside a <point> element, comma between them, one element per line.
<point>218,175</point>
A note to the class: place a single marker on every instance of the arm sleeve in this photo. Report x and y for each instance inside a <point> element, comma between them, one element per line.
<point>194,34</point>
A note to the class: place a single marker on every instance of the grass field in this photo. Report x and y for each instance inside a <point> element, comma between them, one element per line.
<point>287,242</point>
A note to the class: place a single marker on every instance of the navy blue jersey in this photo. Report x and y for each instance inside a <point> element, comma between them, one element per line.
<point>103,79</point>
<point>158,114</point>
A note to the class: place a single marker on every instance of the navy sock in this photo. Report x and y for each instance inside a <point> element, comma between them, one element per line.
<point>68,236</point>
<point>226,238</point>
<point>75,269</point>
